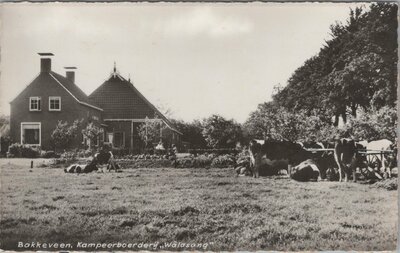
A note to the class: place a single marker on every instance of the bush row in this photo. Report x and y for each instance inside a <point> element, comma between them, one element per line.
<point>220,151</point>
<point>26,151</point>
<point>200,161</point>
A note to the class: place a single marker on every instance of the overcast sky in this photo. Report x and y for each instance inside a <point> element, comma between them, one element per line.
<point>194,59</point>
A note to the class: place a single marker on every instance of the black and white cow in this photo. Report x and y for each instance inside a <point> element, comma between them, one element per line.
<point>274,150</point>
<point>348,158</point>
<point>101,159</point>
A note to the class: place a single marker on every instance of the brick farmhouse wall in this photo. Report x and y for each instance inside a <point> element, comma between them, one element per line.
<point>44,86</point>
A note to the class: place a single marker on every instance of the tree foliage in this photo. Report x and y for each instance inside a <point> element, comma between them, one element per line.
<point>92,132</point>
<point>220,132</point>
<point>64,134</point>
<point>149,132</point>
<point>272,121</point>
<point>356,69</point>
<point>373,125</point>
<point>192,133</point>
<point>354,76</point>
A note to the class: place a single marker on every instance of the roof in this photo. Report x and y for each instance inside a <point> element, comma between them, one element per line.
<point>73,89</point>
<point>70,87</point>
<point>120,99</point>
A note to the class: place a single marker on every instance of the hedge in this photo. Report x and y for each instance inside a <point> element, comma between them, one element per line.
<point>220,151</point>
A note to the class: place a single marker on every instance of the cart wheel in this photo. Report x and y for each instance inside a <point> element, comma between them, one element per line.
<point>367,172</point>
<point>374,162</point>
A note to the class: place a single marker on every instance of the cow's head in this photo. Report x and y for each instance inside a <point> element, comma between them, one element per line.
<point>254,147</point>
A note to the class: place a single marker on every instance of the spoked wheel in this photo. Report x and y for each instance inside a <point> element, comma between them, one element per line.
<point>371,168</point>
<point>367,172</point>
<point>374,162</point>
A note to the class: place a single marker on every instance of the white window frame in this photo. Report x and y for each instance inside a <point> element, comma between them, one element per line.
<point>40,133</point>
<point>30,104</point>
<point>55,97</point>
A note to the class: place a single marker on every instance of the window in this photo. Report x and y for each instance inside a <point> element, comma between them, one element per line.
<point>119,140</point>
<point>35,104</point>
<point>109,137</point>
<point>31,133</point>
<point>54,103</point>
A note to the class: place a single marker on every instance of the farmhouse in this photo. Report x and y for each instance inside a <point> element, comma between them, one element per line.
<point>116,106</point>
<point>125,108</point>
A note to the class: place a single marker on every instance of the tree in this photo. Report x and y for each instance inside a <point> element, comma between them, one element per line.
<point>374,125</point>
<point>273,121</point>
<point>64,133</point>
<point>355,71</point>
<point>151,131</point>
<point>5,138</point>
<point>92,132</point>
<point>191,133</point>
<point>221,133</point>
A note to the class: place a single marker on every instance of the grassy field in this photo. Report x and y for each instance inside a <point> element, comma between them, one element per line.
<point>211,209</point>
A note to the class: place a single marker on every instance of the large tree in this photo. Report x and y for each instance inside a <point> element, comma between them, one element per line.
<point>356,70</point>
<point>220,132</point>
<point>192,133</point>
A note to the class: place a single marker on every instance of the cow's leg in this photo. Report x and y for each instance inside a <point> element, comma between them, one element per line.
<point>339,164</point>
<point>256,165</point>
<point>353,169</point>
<point>346,173</point>
<point>290,170</point>
<point>385,170</point>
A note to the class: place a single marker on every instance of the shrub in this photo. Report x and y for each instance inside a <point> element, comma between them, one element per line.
<point>202,161</point>
<point>64,134</point>
<point>223,161</point>
<point>20,150</point>
<point>217,151</point>
<point>141,163</point>
<point>49,154</point>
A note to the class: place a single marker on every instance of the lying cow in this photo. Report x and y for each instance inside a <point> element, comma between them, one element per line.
<point>82,168</point>
<point>101,159</point>
<point>306,171</point>
<point>323,159</point>
<point>273,150</point>
<point>347,157</point>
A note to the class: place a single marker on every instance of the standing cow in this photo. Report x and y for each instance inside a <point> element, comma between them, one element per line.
<point>347,157</point>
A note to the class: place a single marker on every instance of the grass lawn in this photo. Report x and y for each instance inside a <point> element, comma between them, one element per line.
<point>209,207</point>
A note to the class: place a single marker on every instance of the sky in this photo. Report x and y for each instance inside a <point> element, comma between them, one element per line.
<point>192,59</point>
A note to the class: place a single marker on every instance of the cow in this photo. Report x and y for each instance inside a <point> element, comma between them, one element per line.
<point>82,168</point>
<point>386,159</point>
<point>322,157</point>
<point>273,150</point>
<point>347,157</point>
<point>101,159</point>
<point>305,171</point>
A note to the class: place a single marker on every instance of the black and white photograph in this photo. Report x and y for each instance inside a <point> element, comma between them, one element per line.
<point>198,126</point>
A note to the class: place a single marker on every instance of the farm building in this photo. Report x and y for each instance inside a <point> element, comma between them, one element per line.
<point>116,106</point>
<point>125,108</point>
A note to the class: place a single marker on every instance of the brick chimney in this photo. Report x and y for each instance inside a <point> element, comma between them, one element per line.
<point>70,73</point>
<point>45,62</point>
